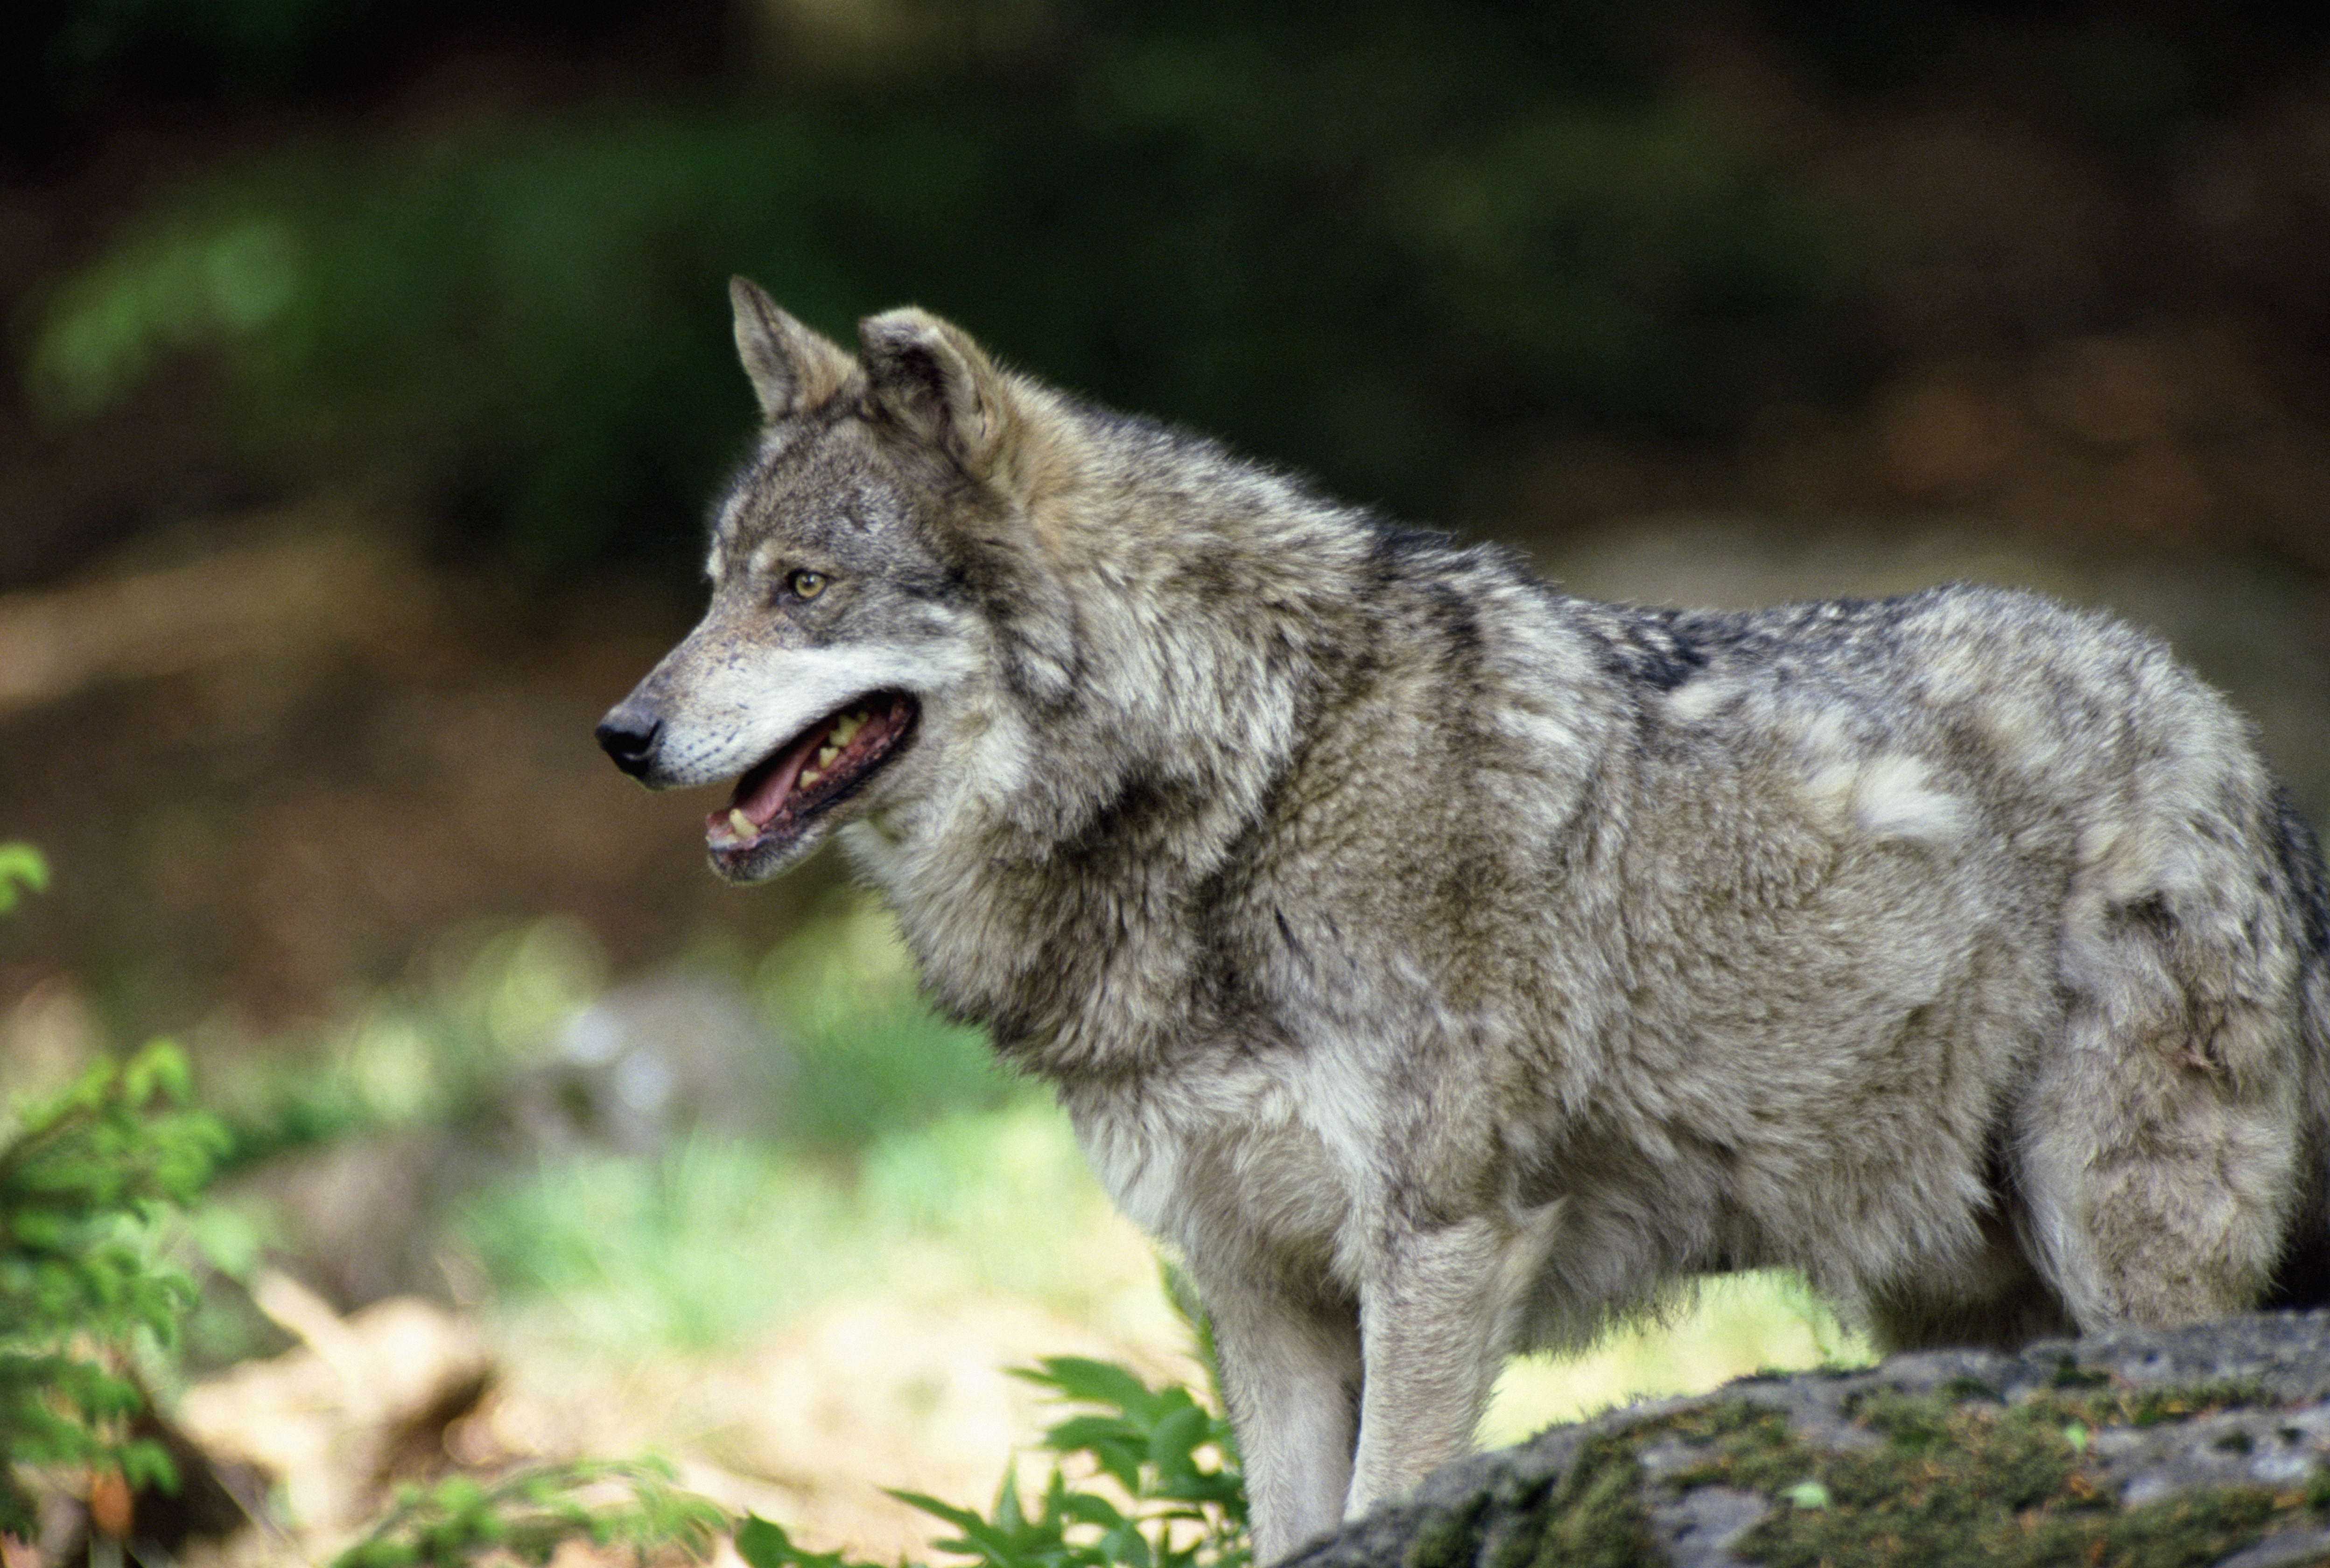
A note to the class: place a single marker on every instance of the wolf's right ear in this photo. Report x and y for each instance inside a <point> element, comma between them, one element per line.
<point>792,368</point>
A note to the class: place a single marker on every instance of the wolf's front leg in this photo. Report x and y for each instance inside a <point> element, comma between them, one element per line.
<point>1435,1325</point>
<point>1291,1373</point>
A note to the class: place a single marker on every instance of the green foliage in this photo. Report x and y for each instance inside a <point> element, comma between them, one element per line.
<point>765,1544</point>
<point>1145,1477</point>
<point>85,1179</point>
<point>1298,227</point>
<point>170,291</point>
<point>529,1514</point>
<point>1174,1457</point>
<point>21,869</point>
<point>1296,235</point>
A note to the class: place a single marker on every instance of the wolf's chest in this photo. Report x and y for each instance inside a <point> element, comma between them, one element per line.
<point>1232,1163</point>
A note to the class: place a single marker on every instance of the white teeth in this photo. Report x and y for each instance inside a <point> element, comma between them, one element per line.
<point>849,726</point>
<point>825,757</point>
<point>810,776</point>
<point>739,824</point>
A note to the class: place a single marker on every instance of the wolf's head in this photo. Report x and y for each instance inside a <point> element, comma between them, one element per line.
<point>875,587</point>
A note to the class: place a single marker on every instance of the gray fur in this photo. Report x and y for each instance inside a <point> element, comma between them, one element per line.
<point>1443,965</point>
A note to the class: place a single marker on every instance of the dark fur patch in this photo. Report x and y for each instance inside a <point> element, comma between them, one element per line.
<point>1392,550</point>
<point>1657,656</point>
<point>1454,617</point>
<point>1287,934</point>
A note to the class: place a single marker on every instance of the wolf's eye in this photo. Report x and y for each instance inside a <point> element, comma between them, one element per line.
<point>805,585</point>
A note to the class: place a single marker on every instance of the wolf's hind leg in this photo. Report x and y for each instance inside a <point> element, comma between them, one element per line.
<point>2160,1145</point>
<point>1291,1374</point>
<point>2167,1207</point>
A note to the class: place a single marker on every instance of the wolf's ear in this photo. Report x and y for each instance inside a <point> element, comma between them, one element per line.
<point>792,368</point>
<point>929,382</point>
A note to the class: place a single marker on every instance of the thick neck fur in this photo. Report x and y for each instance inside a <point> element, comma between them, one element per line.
<point>1207,612</point>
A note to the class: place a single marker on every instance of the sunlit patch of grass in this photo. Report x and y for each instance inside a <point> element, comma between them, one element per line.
<point>1734,1324</point>
<point>720,1239</point>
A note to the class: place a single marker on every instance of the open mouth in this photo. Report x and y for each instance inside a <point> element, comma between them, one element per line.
<point>810,774</point>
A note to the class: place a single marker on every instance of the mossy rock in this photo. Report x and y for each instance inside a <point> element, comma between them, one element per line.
<point>2207,1446</point>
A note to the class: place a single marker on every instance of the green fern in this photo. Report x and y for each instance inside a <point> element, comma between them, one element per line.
<point>528,1515</point>
<point>86,1178</point>
<point>1178,1499</point>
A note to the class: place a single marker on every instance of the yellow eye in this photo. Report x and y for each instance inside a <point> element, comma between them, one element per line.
<point>805,585</point>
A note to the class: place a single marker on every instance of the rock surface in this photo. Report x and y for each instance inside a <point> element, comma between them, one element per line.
<point>2201,1446</point>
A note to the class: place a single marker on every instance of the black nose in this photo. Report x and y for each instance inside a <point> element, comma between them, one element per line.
<point>630,739</point>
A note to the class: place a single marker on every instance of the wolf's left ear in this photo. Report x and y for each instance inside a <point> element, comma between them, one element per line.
<point>792,367</point>
<point>936,387</point>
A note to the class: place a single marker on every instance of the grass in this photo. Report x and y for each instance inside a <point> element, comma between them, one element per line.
<point>720,1239</point>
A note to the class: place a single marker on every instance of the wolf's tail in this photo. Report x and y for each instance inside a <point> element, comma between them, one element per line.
<point>2303,1277</point>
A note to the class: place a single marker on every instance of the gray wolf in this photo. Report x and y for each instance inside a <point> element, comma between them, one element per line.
<point>1444,965</point>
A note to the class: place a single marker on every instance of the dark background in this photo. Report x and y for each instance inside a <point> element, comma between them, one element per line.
<point>369,362</point>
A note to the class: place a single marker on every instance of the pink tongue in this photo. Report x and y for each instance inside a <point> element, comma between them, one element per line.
<point>765,801</point>
<point>767,797</point>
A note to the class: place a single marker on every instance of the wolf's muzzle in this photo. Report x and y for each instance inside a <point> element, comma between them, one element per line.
<point>630,737</point>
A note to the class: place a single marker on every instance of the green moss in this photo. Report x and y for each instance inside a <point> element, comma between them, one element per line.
<point>1598,1519</point>
<point>1960,1477</point>
<point>1753,1447</point>
<point>1911,1425</point>
<point>1447,1538</point>
<point>1592,1517</point>
<point>1958,1483</point>
<point>2154,1405</point>
<point>2069,1374</point>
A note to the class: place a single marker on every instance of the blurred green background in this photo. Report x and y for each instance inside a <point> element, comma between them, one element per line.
<point>368,367</point>
<point>1506,262</point>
